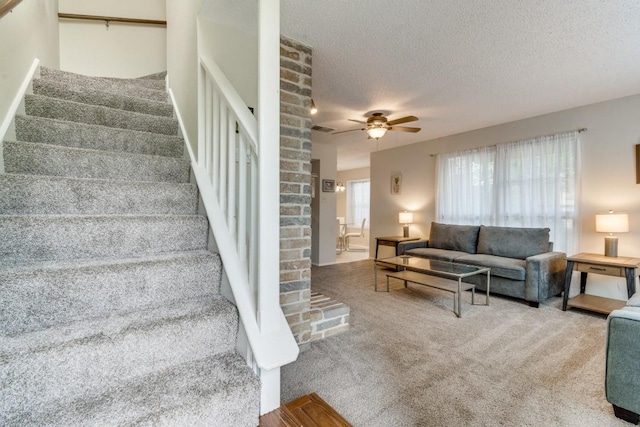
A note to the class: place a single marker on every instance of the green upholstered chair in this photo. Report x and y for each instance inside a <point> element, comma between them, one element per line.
<point>622,377</point>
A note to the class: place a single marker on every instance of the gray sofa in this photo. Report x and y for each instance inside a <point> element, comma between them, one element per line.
<point>622,378</point>
<point>521,259</point>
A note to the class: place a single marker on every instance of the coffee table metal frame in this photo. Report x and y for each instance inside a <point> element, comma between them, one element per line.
<point>443,275</point>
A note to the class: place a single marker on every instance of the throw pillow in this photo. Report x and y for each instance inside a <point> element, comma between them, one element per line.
<point>513,242</point>
<point>462,238</point>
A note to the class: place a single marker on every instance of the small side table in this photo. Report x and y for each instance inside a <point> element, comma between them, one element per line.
<point>599,264</point>
<point>392,241</point>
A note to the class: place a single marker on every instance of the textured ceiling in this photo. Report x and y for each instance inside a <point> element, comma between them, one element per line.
<point>460,65</point>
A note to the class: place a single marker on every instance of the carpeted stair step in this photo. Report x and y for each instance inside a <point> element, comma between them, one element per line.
<point>57,365</point>
<point>54,89</point>
<point>54,108</point>
<point>68,237</point>
<point>111,310</point>
<point>162,75</point>
<point>43,295</point>
<point>82,135</point>
<point>35,194</point>
<point>216,391</point>
<point>149,83</point>
<point>44,159</point>
<point>153,81</point>
<point>125,87</point>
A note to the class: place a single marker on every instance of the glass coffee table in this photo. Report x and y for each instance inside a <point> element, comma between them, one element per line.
<point>443,275</point>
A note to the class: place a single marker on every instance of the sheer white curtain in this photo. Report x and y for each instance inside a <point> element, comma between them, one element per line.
<point>539,186</point>
<point>465,186</point>
<point>358,202</point>
<point>528,183</point>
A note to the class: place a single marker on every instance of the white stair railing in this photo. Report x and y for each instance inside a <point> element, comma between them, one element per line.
<point>231,178</point>
<point>237,169</point>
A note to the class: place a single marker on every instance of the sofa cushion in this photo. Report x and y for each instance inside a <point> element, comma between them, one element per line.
<point>463,238</point>
<point>509,268</point>
<point>435,253</point>
<point>513,242</point>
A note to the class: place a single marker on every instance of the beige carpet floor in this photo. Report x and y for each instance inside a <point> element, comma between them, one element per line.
<point>409,361</point>
<point>346,256</point>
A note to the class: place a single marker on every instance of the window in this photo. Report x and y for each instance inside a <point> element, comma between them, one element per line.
<point>358,202</point>
<point>529,183</point>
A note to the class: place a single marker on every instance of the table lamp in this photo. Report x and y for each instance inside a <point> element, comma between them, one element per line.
<point>612,223</point>
<point>405,218</point>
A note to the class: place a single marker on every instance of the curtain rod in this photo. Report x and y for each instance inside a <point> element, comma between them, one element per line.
<point>577,130</point>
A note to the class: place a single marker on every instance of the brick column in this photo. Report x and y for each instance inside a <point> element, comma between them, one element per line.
<point>295,188</point>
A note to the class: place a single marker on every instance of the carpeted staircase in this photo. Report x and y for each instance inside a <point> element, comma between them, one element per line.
<point>110,305</point>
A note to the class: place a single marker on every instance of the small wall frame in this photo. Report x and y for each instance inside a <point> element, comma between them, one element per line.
<point>328,185</point>
<point>396,183</point>
<point>637,163</point>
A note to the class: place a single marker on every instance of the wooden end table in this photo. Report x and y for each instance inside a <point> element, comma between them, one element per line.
<point>392,241</point>
<point>587,263</point>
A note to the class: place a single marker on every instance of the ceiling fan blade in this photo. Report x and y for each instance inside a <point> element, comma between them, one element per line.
<point>357,121</point>
<point>343,131</point>
<point>402,120</point>
<point>404,129</point>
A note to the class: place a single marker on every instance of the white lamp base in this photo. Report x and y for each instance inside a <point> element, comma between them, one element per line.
<point>611,246</point>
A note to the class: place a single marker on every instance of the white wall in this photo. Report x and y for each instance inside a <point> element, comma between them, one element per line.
<point>341,203</point>
<point>27,33</point>
<point>122,50</point>
<point>608,175</point>
<point>323,207</point>
<point>182,61</point>
<point>188,36</point>
<point>236,53</point>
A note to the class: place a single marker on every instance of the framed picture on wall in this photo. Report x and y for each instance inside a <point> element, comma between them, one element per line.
<point>396,183</point>
<point>328,185</point>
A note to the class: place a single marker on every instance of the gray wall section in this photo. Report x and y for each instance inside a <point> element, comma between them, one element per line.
<point>324,236</point>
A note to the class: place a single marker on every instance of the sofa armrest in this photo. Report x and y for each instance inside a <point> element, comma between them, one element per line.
<point>622,377</point>
<point>412,244</point>
<point>545,275</point>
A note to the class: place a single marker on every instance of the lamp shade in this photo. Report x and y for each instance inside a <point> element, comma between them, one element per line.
<point>405,217</point>
<point>612,223</point>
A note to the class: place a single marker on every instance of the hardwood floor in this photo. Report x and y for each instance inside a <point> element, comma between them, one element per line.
<point>305,411</point>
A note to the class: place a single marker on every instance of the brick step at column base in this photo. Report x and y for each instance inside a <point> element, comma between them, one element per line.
<point>328,317</point>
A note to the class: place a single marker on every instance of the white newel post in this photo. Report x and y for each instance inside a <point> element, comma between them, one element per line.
<point>269,190</point>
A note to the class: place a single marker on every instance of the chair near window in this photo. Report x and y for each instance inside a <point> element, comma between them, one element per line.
<point>347,236</point>
<point>340,236</point>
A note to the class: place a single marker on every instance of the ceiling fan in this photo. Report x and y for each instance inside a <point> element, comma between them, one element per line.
<point>378,125</point>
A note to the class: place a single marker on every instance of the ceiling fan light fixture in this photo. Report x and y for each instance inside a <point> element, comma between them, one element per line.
<point>376,132</point>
